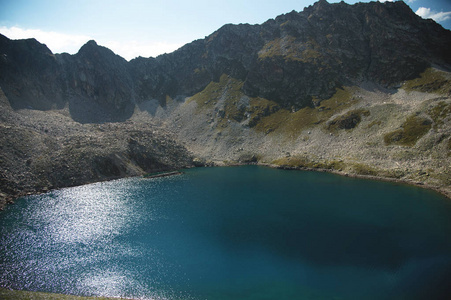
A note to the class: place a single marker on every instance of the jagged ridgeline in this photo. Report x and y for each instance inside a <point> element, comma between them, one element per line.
<point>295,60</point>
<point>361,89</point>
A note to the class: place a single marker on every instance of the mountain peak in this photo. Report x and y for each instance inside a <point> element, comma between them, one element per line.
<point>92,43</point>
<point>321,4</point>
<point>293,59</point>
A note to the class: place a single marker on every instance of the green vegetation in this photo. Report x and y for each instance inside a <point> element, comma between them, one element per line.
<point>235,106</point>
<point>292,123</point>
<point>304,162</point>
<point>349,120</point>
<point>285,46</point>
<point>292,50</point>
<point>362,169</point>
<point>227,86</point>
<point>444,176</point>
<point>168,100</point>
<point>265,115</point>
<point>26,295</point>
<point>430,81</point>
<point>298,161</point>
<point>293,162</point>
<point>198,71</point>
<point>439,113</point>
<point>259,108</point>
<point>374,123</point>
<point>410,132</point>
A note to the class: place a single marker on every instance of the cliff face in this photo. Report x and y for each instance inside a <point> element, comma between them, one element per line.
<point>97,84</point>
<point>31,75</point>
<point>362,89</point>
<point>296,60</point>
<point>300,56</point>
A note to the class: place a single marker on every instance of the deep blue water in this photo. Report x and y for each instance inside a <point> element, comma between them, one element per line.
<point>231,233</point>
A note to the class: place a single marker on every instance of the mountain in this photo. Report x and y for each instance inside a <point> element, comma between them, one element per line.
<point>361,89</point>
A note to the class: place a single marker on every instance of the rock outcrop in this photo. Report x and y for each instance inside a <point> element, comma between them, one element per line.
<point>47,150</point>
<point>297,59</point>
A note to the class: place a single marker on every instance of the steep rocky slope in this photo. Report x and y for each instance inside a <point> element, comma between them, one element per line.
<point>296,60</point>
<point>400,134</point>
<point>358,89</point>
<point>46,150</point>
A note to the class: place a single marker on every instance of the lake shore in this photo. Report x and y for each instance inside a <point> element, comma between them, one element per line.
<point>445,191</point>
<point>272,181</point>
<point>8,294</point>
<point>442,190</point>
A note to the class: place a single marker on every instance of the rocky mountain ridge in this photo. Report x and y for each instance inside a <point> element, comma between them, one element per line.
<point>358,89</point>
<point>297,59</point>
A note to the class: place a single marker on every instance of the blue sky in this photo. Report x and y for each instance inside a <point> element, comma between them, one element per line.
<point>152,27</point>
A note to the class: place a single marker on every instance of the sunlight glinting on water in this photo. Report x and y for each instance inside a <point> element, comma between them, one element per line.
<point>228,233</point>
<point>86,214</point>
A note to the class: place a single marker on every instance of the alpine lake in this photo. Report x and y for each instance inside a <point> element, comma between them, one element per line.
<point>246,232</point>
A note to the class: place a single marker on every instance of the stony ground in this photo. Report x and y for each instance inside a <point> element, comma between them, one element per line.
<point>401,134</point>
<point>25,295</point>
<point>42,150</point>
<point>384,143</point>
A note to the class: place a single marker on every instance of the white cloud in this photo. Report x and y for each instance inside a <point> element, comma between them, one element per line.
<point>385,0</point>
<point>411,1</point>
<point>427,13</point>
<point>55,41</point>
<point>61,42</point>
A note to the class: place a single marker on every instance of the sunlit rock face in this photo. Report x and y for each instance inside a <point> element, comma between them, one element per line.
<point>292,59</point>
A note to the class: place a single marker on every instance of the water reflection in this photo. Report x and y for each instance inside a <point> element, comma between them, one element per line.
<point>230,233</point>
<point>84,214</point>
<point>64,234</point>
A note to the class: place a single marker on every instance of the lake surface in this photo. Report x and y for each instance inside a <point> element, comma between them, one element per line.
<point>231,233</point>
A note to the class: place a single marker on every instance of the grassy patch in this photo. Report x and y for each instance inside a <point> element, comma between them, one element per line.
<point>168,100</point>
<point>285,46</point>
<point>362,169</point>
<point>444,176</point>
<point>297,161</point>
<point>338,165</point>
<point>410,132</point>
<point>374,123</point>
<point>293,161</point>
<point>349,120</point>
<point>393,173</point>
<point>226,87</point>
<point>25,295</point>
<point>235,105</point>
<point>430,81</point>
<point>439,113</point>
<point>272,122</point>
<point>292,123</point>
<point>356,168</point>
<point>292,49</point>
<point>259,108</point>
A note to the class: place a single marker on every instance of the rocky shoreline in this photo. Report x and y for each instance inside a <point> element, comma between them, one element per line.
<point>445,191</point>
<point>439,189</point>
<point>46,150</point>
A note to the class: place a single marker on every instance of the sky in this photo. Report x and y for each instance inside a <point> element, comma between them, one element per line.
<point>152,27</point>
